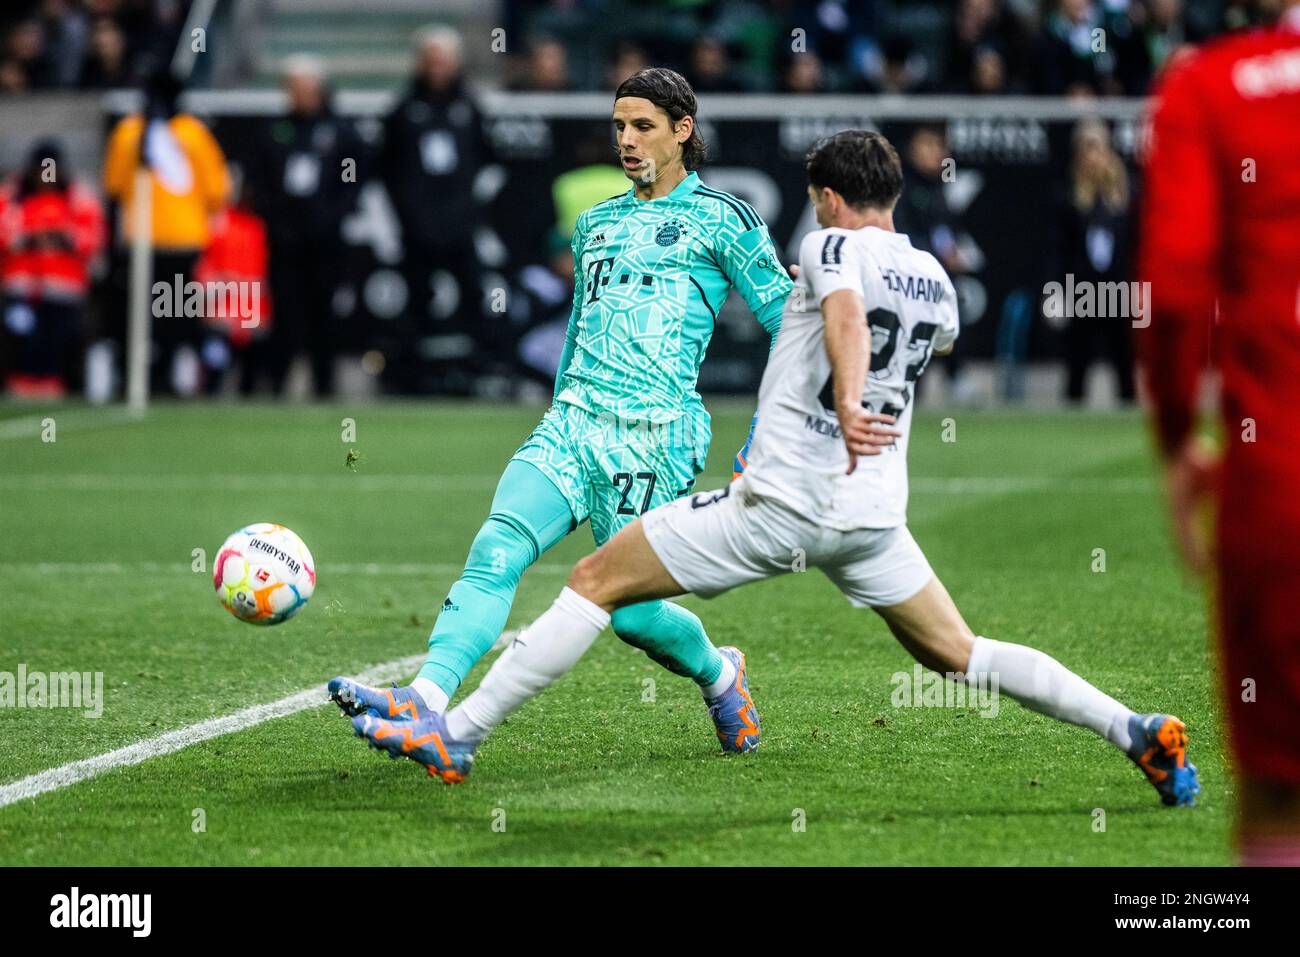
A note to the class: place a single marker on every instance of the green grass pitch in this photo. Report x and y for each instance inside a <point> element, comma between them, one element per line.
<point>617,764</point>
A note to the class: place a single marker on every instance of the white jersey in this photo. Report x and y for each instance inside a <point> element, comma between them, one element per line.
<point>798,455</point>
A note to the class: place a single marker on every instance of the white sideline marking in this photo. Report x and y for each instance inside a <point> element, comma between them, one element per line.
<point>76,771</point>
<point>51,481</point>
<point>30,426</point>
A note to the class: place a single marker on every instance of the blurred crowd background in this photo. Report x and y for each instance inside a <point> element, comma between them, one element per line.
<point>393,183</point>
<point>722,46</point>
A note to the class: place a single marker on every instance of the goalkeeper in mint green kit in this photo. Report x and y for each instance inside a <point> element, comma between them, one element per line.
<point>627,430</point>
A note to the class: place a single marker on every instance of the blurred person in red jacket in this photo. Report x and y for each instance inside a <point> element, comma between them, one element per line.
<point>1221,250</point>
<point>233,269</point>
<point>51,227</point>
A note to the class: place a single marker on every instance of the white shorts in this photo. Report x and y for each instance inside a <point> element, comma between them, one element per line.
<point>711,542</point>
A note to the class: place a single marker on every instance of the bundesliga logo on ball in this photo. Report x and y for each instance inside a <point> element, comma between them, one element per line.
<point>264,574</point>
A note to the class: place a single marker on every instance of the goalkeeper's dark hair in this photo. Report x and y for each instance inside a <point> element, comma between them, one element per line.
<point>668,90</point>
<point>860,165</point>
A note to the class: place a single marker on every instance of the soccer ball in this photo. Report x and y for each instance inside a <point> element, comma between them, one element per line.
<point>264,574</point>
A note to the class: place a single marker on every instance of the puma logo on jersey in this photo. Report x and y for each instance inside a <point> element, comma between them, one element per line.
<point>833,250</point>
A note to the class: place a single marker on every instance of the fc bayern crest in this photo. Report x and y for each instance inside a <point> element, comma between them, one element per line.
<point>669,233</point>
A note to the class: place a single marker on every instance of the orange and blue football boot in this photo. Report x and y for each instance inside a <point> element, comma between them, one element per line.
<point>733,712</point>
<point>395,704</point>
<point>425,741</point>
<point>739,463</point>
<point>1159,748</point>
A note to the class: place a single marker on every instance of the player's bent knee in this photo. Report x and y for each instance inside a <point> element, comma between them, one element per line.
<point>585,578</point>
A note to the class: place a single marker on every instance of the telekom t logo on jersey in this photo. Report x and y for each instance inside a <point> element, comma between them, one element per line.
<point>599,280</point>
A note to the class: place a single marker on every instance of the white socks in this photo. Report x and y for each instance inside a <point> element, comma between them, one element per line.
<point>540,655</point>
<point>1043,684</point>
<point>434,698</point>
<point>726,678</point>
<point>545,651</point>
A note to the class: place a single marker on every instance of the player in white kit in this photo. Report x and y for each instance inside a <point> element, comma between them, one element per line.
<point>825,487</point>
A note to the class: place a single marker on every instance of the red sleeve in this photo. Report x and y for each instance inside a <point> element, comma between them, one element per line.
<point>11,219</point>
<point>257,252</point>
<point>1181,231</point>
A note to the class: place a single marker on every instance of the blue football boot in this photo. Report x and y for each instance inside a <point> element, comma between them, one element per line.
<point>1159,748</point>
<point>741,461</point>
<point>395,704</point>
<point>425,741</point>
<point>733,711</point>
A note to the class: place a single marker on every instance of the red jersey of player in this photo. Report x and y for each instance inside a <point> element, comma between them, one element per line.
<point>1221,250</point>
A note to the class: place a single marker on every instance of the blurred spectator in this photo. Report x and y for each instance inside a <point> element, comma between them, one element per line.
<point>972,26</point>
<point>627,58</point>
<point>105,65</point>
<point>51,227</point>
<point>539,311</point>
<point>46,47</point>
<point>924,216</point>
<point>1096,245</point>
<point>711,70</point>
<point>64,34</point>
<point>139,20</point>
<point>1073,55</point>
<point>547,66</point>
<point>923,213</point>
<point>840,32</point>
<point>988,72</point>
<point>594,179</point>
<point>13,78</point>
<point>304,176</point>
<point>23,56</point>
<point>1154,33</point>
<point>189,183</point>
<point>802,73</point>
<point>237,254</point>
<point>65,44</point>
<point>434,145</point>
<point>1247,14</point>
<point>900,68</point>
<point>986,51</point>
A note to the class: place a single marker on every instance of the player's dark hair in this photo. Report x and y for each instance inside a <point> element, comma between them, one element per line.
<point>668,90</point>
<point>860,165</point>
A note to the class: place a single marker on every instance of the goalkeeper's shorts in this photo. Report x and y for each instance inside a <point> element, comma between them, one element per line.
<point>612,470</point>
